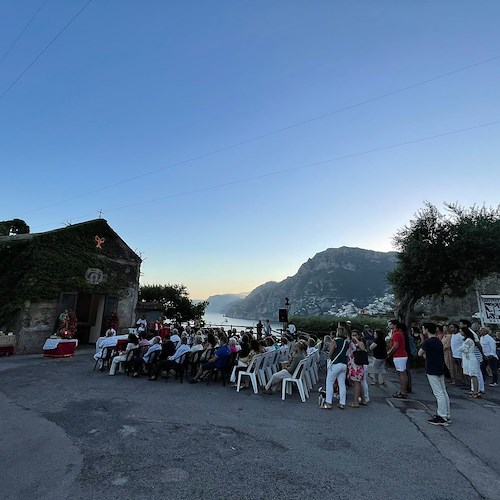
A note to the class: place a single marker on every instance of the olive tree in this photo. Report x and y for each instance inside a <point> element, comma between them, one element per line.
<point>444,254</point>
<point>175,297</point>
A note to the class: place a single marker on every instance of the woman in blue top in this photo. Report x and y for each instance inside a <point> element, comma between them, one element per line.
<point>337,368</point>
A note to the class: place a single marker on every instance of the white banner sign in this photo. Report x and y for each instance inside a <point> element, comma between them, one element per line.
<point>490,309</point>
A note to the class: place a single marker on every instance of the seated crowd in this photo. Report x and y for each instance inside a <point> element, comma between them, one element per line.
<point>202,353</point>
<point>464,357</point>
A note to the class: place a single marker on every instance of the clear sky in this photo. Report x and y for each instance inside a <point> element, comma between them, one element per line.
<point>115,112</point>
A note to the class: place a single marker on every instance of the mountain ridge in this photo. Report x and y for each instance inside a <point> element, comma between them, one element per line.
<point>323,284</point>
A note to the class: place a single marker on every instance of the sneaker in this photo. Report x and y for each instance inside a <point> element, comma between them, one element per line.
<point>437,420</point>
<point>494,384</point>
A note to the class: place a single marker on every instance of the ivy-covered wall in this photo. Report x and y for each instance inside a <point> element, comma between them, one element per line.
<point>39,267</point>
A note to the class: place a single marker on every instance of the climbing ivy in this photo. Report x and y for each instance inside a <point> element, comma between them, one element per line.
<point>42,266</point>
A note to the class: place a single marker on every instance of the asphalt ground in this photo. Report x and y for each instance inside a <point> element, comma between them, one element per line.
<point>71,433</point>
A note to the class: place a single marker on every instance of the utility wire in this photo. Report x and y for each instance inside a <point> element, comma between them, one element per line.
<point>4,93</point>
<point>262,136</point>
<point>292,169</point>
<point>13,44</point>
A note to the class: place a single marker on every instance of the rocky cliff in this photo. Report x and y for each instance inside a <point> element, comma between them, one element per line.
<point>322,285</point>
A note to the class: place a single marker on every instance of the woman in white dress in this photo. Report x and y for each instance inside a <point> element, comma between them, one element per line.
<point>470,364</point>
<point>118,360</point>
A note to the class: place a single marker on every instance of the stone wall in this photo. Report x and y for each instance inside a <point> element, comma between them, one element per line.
<point>37,322</point>
<point>126,307</point>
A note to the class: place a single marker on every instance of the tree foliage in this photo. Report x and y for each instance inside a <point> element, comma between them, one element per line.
<point>13,226</point>
<point>174,299</point>
<point>444,253</point>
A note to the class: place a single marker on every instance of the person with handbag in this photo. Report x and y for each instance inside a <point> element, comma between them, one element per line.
<point>356,359</point>
<point>337,369</point>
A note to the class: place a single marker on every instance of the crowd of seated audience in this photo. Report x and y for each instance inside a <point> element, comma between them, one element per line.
<point>205,351</point>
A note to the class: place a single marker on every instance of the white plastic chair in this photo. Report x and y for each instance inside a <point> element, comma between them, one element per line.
<point>262,370</point>
<point>272,365</point>
<point>298,379</point>
<point>309,372</point>
<point>314,370</point>
<point>250,371</point>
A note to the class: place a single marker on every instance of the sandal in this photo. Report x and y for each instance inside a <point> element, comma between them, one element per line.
<point>341,407</point>
<point>325,407</point>
<point>398,395</point>
<point>352,405</point>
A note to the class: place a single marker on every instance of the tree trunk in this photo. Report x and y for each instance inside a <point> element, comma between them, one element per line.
<point>405,310</point>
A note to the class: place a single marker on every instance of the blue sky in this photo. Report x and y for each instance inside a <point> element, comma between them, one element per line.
<point>135,90</point>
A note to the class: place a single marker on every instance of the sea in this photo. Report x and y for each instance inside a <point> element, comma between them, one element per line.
<point>217,319</point>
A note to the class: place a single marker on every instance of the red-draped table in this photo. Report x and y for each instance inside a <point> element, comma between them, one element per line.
<point>59,348</point>
<point>7,343</point>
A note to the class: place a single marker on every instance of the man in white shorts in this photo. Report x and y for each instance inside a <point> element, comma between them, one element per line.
<point>400,358</point>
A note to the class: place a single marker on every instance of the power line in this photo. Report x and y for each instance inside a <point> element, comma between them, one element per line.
<point>266,134</point>
<point>292,169</point>
<point>4,93</point>
<point>13,44</point>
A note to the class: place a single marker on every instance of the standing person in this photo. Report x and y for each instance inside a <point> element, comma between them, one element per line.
<point>477,352</point>
<point>368,335</point>
<point>456,342</point>
<point>260,327</point>
<point>470,364</point>
<point>267,328</point>
<point>448,356</point>
<point>142,324</point>
<point>337,369</point>
<point>489,355</point>
<point>411,353</point>
<point>356,372</point>
<point>432,351</point>
<point>293,330</point>
<point>441,331</point>
<point>379,350</point>
<point>400,358</point>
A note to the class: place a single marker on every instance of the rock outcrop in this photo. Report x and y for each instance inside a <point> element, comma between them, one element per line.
<point>322,285</point>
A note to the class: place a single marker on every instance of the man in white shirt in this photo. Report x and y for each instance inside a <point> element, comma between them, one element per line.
<point>175,337</point>
<point>489,355</point>
<point>142,324</point>
<point>456,341</point>
<point>109,340</point>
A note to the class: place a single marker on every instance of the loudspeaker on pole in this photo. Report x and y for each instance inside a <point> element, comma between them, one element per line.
<point>283,315</point>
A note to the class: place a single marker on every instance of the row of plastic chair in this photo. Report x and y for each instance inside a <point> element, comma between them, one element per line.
<point>262,367</point>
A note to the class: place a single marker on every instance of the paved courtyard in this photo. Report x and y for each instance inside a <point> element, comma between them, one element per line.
<point>69,432</point>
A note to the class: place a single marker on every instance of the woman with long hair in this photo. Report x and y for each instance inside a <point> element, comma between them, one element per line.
<point>379,349</point>
<point>470,363</point>
<point>356,372</point>
<point>337,369</point>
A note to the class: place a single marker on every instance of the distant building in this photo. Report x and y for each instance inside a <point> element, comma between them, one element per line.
<point>84,267</point>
